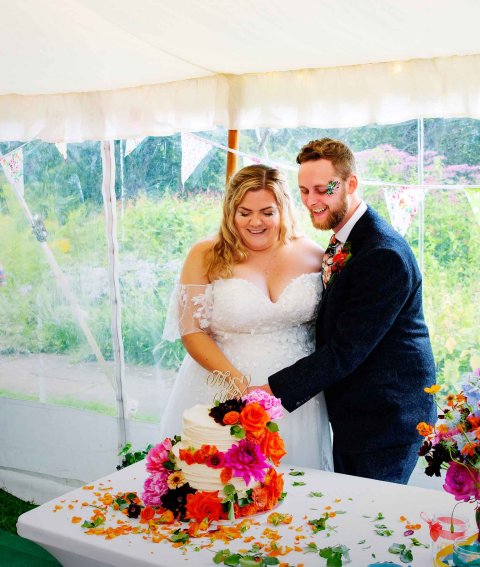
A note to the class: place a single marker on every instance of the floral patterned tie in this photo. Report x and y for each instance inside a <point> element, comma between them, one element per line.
<point>327,259</point>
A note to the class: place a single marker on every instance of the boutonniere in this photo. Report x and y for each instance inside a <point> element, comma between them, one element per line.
<point>337,262</point>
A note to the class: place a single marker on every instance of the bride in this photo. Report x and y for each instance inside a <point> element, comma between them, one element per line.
<point>246,305</point>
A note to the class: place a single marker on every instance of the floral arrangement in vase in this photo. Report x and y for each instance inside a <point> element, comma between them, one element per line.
<point>453,442</point>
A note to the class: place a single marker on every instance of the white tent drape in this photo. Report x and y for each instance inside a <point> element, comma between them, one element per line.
<point>334,97</point>
<point>75,70</point>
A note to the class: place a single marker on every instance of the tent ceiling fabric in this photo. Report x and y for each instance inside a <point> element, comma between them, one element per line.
<point>92,69</point>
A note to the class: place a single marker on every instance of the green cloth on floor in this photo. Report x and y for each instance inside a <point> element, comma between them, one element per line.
<point>16,551</point>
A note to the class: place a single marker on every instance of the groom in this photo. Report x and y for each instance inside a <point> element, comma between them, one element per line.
<point>373,356</point>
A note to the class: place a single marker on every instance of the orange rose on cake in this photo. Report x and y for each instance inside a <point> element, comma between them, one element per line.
<point>254,419</point>
<point>273,447</point>
<point>203,505</point>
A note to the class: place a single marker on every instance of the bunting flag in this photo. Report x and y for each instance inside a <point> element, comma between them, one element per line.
<point>62,148</point>
<point>194,149</point>
<point>130,145</point>
<point>12,165</point>
<point>473,196</point>
<point>402,205</point>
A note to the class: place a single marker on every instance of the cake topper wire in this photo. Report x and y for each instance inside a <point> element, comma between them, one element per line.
<point>227,389</point>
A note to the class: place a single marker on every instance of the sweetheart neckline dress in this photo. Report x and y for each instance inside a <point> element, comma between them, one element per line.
<point>260,337</point>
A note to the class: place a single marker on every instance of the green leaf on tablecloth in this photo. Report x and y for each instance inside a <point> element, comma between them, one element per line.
<point>340,511</point>
<point>379,516</point>
<point>179,536</point>
<point>296,483</point>
<point>406,556</point>
<point>232,560</point>
<point>311,547</point>
<point>383,530</point>
<point>417,543</point>
<point>362,541</point>
<point>296,473</point>
<point>282,496</point>
<point>270,560</point>
<point>221,555</point>
<point>272,426</point>
<point>97,522</point>
<point>319,524</point>
<point>316,494</point>
<point>397,548</point>
<point>121,503</point>
<point>334,555</point>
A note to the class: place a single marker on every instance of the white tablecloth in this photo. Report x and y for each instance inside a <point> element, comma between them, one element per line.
<point>357,502</point>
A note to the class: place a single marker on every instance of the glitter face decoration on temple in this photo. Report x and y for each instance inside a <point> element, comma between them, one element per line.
<point>332,186</point>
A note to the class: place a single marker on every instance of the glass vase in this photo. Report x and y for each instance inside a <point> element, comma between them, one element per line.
<point>444,530</point>
<point>466,552</point>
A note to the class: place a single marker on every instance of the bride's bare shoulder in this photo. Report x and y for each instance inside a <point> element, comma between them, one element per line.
<point>309,251</point>
<point>195,266</point>
<point>307,245</point>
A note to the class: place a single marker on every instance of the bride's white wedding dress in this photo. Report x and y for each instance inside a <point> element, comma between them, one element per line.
<point>259,337</point>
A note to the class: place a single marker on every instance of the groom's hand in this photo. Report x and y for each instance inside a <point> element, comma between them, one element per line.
<point>265,388</point>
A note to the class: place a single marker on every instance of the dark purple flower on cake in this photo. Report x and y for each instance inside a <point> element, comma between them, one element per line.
<point>218,412</point>
<point>215,461</point>
<point>176,500</point>
<point>247,460</point>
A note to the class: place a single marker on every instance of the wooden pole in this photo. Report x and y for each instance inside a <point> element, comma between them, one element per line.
<point>232,159</point>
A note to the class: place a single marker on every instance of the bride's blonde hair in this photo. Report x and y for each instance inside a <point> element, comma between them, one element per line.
<point>229,248</point>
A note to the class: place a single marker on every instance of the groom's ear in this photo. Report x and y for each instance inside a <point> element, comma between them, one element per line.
<point>352,184</point>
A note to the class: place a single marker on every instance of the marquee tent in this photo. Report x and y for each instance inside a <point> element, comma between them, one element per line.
<point>73,70</point>
<point>80,70</point>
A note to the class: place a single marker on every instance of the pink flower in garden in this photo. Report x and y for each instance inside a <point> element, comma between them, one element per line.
<point>157,456</point>
<point>271,404</point>
<point>155,487</point>
<point>247,460</point>
<point>461,481</point>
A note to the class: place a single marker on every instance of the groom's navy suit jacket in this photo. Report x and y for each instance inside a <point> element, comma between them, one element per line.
<point>373,356</point>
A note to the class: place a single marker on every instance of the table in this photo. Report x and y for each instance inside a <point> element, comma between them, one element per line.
<point>357,503</point>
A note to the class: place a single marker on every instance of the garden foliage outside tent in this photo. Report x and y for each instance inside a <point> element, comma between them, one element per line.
<point>158,220</point>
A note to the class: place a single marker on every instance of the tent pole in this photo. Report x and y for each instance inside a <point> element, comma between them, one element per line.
<point>110,211</point>
<point>232,159</point>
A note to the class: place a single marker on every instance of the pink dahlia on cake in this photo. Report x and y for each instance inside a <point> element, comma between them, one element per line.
<point>223,464</point>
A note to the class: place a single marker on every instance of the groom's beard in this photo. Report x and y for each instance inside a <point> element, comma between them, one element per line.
<point>335,214</point>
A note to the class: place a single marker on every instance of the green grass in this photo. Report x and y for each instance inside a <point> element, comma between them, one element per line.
<point>18,395</point>
<point>12,507</point>
<point>16,551</point>
<point>97,407</point>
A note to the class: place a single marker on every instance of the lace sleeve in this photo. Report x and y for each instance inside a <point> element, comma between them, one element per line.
<point>189,311</point>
